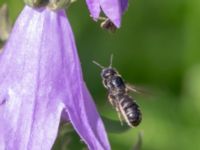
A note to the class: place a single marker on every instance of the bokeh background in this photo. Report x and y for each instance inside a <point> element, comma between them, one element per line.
<point>158,49</point>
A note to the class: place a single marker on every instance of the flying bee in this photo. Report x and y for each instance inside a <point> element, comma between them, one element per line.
<point>118,95</point>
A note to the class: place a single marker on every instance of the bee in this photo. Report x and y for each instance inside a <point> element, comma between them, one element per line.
<point>118,95</point>
<point>108,25</point>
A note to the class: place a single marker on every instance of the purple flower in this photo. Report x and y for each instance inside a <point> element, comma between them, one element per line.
<point>113,9</point>
<point>40,81</point>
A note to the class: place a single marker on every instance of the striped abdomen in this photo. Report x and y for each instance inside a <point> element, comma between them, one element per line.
<point>130,110</point>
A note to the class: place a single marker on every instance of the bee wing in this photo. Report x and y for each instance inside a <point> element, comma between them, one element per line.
<point>136,89</point>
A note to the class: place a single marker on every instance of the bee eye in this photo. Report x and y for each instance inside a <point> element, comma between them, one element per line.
<point>108,73</point>
<point>105,75</point>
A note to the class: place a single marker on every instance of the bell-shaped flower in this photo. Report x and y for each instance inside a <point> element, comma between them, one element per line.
<point>113,9</point>
<point>40,81</point>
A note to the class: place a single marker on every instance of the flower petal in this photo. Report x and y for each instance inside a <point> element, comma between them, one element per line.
<point>40,76</point>
<point>94,8</point>
<point>80,106</point>
<point>114,9</point>
<point>31,111</point>
<point>124,5</point>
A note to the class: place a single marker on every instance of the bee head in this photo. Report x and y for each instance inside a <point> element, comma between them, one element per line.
<point>108,72</point>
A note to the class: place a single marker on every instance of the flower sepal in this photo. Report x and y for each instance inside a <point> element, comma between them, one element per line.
<point>36,3</point>
<point>59,4</point>
<point>52,4</point>
<point>5,24</point>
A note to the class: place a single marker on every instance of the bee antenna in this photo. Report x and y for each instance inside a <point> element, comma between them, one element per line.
<point>99,65</point>
<point>111,60</point>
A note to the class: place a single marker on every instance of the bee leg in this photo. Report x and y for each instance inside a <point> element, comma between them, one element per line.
<point>111,100</point>
<point>116,106</point>
<point>119,116</point>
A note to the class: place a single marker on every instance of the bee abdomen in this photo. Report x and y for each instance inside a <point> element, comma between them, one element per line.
<point>126,101</point>
<point>134,115</point>
<point>131,110</point>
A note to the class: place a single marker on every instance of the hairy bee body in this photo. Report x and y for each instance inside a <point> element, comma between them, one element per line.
<point>129,109</point>
<point>119,98</point>
<point>118,95</point>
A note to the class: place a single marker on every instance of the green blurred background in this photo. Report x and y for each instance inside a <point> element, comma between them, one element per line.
<point>157,48</point>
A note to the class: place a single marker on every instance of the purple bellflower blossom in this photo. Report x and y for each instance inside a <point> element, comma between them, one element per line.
<point>40,81</point>
<point>113,9</point>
